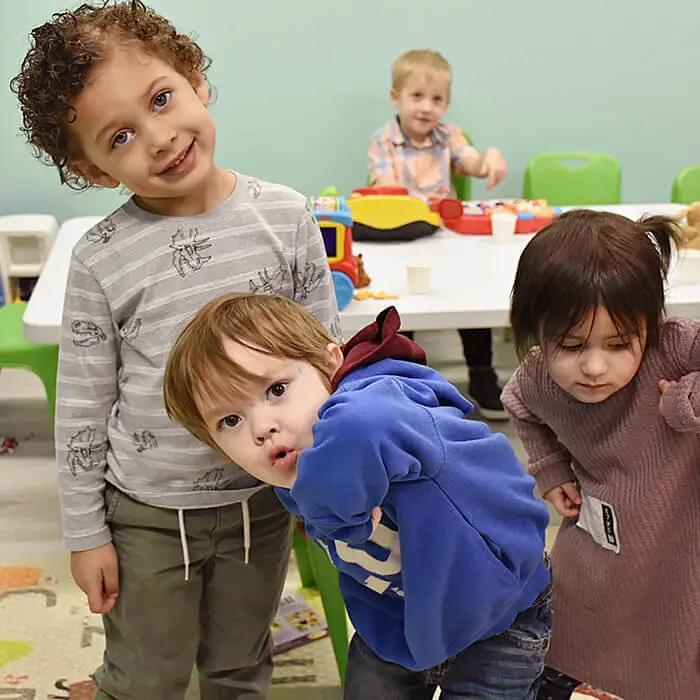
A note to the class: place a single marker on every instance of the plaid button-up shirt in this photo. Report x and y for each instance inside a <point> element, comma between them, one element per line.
<point>425,171</point>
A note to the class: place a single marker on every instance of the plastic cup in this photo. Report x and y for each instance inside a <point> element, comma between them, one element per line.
<point>503,226</point>
<point>688,267</point>
<point>418,274</point>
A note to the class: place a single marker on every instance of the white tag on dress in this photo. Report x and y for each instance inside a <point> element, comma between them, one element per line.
<point>598,519</point>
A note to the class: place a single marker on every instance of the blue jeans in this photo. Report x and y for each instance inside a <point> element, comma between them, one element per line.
<point>505,667</point>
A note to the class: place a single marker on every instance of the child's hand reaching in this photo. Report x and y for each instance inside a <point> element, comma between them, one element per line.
<point>493,167</point>
<point>565,498</point>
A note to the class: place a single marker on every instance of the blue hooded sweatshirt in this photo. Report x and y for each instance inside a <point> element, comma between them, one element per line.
<point>459,552</point>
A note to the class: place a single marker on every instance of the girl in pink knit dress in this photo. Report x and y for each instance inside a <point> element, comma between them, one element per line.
<point>606,404</point>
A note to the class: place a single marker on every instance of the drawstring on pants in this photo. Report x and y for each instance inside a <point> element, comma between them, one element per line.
<point>245,513</point>
<point>183,541</point>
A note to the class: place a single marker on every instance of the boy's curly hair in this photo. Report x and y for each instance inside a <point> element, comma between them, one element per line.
<point>61,56</point>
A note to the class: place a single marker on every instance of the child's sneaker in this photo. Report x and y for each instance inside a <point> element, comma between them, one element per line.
<point>556,686</point>
<point>485,393</point>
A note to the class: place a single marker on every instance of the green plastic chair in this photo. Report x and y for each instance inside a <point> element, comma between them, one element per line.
<point>573,177</point>
<point>686,186</point>
<point>463,183</point>
<point>15,351</point>
<point>317,571</point>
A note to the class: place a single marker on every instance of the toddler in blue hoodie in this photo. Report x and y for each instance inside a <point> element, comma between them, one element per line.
<point>430,518</point>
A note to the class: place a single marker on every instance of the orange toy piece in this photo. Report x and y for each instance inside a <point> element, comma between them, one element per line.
<point>363,294</point>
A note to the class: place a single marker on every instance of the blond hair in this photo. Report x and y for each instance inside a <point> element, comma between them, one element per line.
<point>411,62</point>
<point>199,371</point>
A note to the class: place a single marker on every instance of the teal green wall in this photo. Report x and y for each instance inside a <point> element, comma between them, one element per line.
<point>301,85</point>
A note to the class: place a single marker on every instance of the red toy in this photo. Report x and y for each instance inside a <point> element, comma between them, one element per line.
<point>474,218</point>
<point>7,445</point>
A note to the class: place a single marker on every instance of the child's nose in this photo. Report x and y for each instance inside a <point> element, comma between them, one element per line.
<point>593,364</point>
<point>264,426</point>
<point>161,137</point>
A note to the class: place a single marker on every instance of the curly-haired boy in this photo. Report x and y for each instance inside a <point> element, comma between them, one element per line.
<point>182,552</point>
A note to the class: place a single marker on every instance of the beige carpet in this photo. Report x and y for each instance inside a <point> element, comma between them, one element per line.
<point>48,636</point>
<point>50,642</point>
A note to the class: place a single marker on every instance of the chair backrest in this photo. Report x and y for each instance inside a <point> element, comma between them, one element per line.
<point>686,186</point>
<point>573,177</point>
<point>463,183</point>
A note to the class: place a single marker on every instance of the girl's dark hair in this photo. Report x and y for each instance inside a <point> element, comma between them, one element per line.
<point>62,54</point>
<point>586,259</point>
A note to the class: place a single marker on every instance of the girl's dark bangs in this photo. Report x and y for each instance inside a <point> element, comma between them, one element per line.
<point>565,312</point>
<point>629,316</point>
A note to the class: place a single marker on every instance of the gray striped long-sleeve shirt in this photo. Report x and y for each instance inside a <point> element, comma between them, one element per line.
<point>135,279</point>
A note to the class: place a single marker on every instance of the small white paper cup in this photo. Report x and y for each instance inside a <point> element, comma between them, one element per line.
<point>503,226</point>
<point>418,274</point>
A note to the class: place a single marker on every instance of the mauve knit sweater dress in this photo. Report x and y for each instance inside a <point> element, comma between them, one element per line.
<point>629,622</point>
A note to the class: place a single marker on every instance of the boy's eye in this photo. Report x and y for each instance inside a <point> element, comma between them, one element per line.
<point>571,347</point>
<point>277,390</point>
<point>229,422</point>
<point>121,139</point>
<point>161,99</point>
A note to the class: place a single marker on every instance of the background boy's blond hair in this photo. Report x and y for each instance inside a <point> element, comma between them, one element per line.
<point>199,371</point>
<point>419,60</point>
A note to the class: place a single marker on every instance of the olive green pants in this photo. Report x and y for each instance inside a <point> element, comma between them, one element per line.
<point>219,619</point>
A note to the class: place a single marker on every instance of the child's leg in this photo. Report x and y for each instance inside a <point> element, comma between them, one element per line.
<point>240,600</point>
<point>477,347</point>
<point>370,678</point>
<point>507,666</point>
<point>153,633</point>
<point>483,382</point>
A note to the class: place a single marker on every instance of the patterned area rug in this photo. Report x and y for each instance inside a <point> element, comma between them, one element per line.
<point>50,642</point>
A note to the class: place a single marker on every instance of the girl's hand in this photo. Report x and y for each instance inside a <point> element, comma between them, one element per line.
<point>665,384</point>
<point>565,498</point>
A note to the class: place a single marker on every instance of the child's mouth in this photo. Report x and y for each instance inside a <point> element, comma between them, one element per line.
<point>285,459</point>
<point>180,162</point>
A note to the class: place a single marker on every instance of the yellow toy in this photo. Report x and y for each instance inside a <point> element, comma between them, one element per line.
<point>390,214</point>
<point>691,230</point>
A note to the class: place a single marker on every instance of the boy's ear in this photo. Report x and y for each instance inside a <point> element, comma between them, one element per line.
<point>335,359</point>
<point>200,87</point>
<point>394,97</point>
<point>90,172</point>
